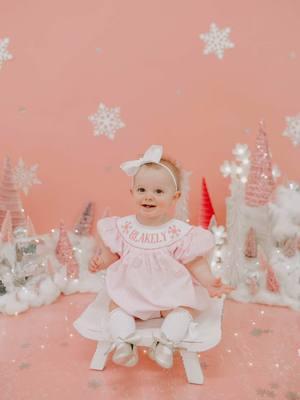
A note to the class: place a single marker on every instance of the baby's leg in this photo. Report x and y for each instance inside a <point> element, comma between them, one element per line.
<point>173,330</point>
<point>122,327</point>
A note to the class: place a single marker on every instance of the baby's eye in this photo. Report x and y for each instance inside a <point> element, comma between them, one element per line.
<point>159,191</point>
<point>140,189</point>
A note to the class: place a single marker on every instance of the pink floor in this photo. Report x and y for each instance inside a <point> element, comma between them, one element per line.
<point>42,357</point>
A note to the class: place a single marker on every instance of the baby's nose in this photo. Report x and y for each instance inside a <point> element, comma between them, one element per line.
<point>148,196</point>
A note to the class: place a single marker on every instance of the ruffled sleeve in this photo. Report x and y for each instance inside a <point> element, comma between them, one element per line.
<point>198,242</point>
<point>109,233</point>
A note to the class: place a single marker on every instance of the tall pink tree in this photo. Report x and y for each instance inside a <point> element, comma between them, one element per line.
<point>10,198</point>
<point>84,225</point>
<point>260,183</point>
<point>271,280</point>
<point>65,254</point>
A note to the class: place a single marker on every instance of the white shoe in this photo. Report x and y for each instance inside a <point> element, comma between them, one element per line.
<point>162,354</point>
<point>125,354</point>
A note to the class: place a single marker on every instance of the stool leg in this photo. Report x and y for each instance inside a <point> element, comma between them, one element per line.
<point>99,359</point>
<point>192,367</point>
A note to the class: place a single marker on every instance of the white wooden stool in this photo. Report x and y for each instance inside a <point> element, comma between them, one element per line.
<point>204,334</point>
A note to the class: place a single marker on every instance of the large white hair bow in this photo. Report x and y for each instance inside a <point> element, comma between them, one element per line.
<point>151,155</point>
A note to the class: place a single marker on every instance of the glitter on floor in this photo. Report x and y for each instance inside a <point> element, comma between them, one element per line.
<point>43,357</point>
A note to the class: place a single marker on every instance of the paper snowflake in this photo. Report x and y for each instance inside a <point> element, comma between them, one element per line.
<point>216,41</point>
<point>4,54</point>
<point>106,121</point>
<point>25,177</point>
<point>293,129</point>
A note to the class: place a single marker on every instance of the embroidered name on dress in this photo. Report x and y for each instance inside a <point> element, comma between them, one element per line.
<point>142,237</point>
<point>149,239</point>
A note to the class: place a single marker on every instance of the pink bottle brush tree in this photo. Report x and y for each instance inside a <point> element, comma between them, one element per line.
<point>260,183</point>
<point>65,254</point>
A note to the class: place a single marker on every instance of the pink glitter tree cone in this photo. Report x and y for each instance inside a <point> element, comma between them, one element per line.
<point>260,184</point>
<point>65,255</point>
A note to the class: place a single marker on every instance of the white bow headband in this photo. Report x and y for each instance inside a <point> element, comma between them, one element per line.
<point>151,155</point>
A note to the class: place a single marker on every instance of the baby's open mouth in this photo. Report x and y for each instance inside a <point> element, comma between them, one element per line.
<point>148,205</point>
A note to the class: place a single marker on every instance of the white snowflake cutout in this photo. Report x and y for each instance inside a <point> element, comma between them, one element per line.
<point>293,129</point>
<point>106,121</point>
<point>4,54</point>
<point>216,41</point>
<point>25,177</point>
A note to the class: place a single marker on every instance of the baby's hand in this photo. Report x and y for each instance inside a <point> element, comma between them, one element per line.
<point>217,288</point>
<point>96,263</point>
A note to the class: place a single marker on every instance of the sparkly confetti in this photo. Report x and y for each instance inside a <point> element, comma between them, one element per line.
<point>216,40</point>
<point>106,121</point>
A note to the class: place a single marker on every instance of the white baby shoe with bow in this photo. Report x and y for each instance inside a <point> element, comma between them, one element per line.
<point>122,329</point>
<point>125,354</point>
<point>173,330</point>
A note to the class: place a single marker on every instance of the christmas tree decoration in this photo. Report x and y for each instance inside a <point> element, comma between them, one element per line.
<point>84,225</point>
<point>30,228</point>
<point>289,247</point>
<point>207,210</point>
<point>261,220</point>
<point>65,255</point>
<point>9,197</point>
<point>250,244</point>
<point>272,282</point>
<point>260,184</point>
<point>6,228</point>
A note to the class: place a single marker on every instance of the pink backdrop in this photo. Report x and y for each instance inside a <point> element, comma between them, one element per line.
<point>145,57</point>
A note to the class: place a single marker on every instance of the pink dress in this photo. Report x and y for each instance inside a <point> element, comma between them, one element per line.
<point>150,275</point>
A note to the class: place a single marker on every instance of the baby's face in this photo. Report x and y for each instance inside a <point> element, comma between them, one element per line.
<point>154,194</point>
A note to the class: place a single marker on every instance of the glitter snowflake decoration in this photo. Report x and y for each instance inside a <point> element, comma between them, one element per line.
<point>25,177</point>
<point>293,129</point>
<point>106,121</point>
<point>216,41</point>
<point>4,54</point>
